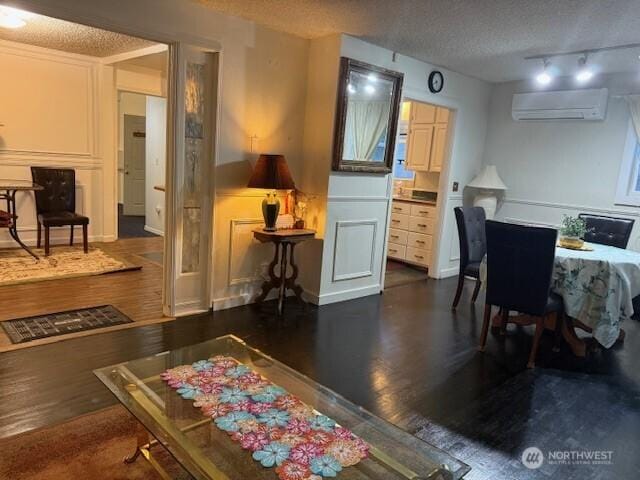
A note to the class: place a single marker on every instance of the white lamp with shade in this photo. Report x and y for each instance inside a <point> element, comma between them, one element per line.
<point>488,183</point>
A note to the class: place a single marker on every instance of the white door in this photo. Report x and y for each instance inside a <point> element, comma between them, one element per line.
<point>193,109</point>
<point>134,160</point>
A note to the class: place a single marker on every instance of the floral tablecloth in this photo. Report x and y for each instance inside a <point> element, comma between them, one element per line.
<point>276,428</point>
<point>597,286</point>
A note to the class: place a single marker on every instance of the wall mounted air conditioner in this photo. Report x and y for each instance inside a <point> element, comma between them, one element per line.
<point>588,104</point>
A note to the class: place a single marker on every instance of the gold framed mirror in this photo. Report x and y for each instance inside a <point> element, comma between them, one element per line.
<point>366,117</point>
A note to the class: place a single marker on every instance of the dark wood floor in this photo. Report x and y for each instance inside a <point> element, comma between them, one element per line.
<point>405,356</point>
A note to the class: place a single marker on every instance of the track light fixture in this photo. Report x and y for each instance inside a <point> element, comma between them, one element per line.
<point>584,73</point>
<point>544,77</point>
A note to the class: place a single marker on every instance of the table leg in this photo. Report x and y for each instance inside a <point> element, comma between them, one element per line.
<point>267,285</point>
<point>291,281</point>
<point>13,229</point>
<point>577,346</point>
<point>142,442</point>
<point>282,279</point>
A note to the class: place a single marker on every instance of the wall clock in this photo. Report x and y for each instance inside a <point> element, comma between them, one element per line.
<point>436,81</point>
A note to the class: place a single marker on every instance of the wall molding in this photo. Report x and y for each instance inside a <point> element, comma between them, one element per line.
<point>153,230</point>
<point>81,163</point>
<point>231,280</point>
<point>245,192</point>
<point>54,56</point>
<point>448,272</point>
<point>361,274</point>
<point>569,206</point>
<point>351,198</point>
<point>343,295</point>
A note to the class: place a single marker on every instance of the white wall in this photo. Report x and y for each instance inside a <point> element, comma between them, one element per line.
<point>128,104</point>
<point>263,85</point>
<point>156,160</point>
<point>358,204</point>
<point>264,94</point>
<point>560,167</point>
<point>59,111</point>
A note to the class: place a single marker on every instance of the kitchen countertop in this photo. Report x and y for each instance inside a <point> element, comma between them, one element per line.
<point>414,200</point>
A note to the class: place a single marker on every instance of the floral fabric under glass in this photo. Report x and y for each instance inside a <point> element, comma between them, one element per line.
<point>278,429</point>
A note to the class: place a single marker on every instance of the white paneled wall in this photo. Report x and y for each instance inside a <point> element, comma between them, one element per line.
<point>58,111</point>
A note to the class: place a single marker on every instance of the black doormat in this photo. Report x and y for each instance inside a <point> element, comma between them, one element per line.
<point>26,329</point>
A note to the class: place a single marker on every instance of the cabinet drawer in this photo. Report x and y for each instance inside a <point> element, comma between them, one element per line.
<point>401,207</point>
<point>421,225</point>
<point>398,237</point>
<point>428,211</point>
<point>400,221</point>
<point>417,255</point>
<point>419,240</point>
<point>396,251</point>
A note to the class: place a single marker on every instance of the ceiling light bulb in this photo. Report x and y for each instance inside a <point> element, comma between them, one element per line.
<point>544,78</point>
<point>584,73</point>
<point>351,88</point>
<point>372,77</point>
<point>11,21</point>
<point>369,89</point>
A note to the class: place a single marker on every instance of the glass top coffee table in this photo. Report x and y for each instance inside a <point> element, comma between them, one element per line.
<point>206,452</point>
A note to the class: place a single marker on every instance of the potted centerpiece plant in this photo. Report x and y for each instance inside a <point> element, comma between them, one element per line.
<point>572,232</point>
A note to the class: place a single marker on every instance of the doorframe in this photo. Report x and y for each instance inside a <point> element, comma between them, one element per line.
<point>147,32</point>
<point>116,120</point>
<point>420,96</point>
<point>171,261</point>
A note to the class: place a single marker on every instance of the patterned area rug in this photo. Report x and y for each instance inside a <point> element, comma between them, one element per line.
<point>91,446</point>
<point>17,266</point>
<point>23,330</point>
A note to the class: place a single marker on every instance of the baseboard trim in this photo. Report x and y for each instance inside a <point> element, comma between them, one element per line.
<point>55,240</point>
<point>155,231</point>
<point>343,296</point>
<point>189,308</point>
<point>241,299</point>
<point>448,272</point>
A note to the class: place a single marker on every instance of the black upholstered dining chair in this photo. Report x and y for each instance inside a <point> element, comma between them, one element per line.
<point>607,230</point>
<point>56,203</point>
<point>473,246</point>
<point>519,269</point>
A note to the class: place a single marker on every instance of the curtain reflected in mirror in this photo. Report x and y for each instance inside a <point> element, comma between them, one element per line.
<point>366,127</point>
<point>366,117</point>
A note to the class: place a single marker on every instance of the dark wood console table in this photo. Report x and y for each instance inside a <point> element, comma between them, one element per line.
<point>8,190</point>
<point>284,240</point>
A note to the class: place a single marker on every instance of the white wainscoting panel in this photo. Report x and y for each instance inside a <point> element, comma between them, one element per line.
<point>48,103</point>
<point>355,245</point>
<point>246,255</point>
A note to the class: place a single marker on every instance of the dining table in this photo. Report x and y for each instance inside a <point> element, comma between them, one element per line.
<point>597,284</point>
<point>8,191</point>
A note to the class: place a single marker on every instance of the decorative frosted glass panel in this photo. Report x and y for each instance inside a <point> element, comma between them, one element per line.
<point>194,158</point>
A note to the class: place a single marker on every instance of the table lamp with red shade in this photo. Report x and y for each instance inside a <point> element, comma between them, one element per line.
<point>271,172</point>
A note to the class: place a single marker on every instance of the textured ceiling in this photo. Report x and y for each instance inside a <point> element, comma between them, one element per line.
<point>71,37</point>
<point>482,38</point>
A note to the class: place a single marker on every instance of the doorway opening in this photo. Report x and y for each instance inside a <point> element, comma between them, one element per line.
<point>420,160</point>
<point>63,129</point>
<point>142,139</point>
